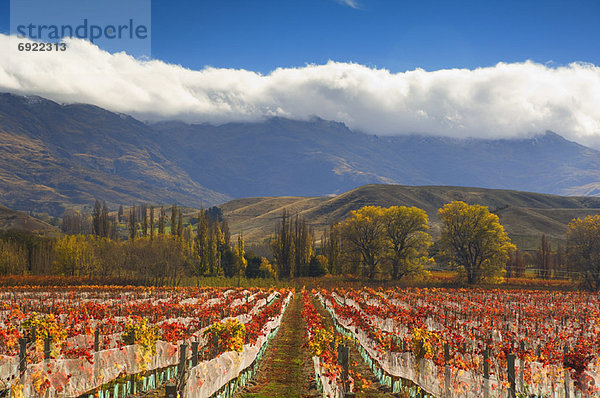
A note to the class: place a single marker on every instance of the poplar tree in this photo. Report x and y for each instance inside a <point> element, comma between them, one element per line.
<point>544,258</point>
<point>96,218</point>
<point>105,222</point>
<point>331,247</point>
<point>202,232</point>
<point>240,255</point>
<point>215,242</point>
<point>151,222</point>
<point>132,223</point>
<point>179,224</point>
<point>174,220</point>
<point>226,233</point>
<point>282,246</point>
<point>161,221</point>
<point>303,247</point>
<point>145,220</point>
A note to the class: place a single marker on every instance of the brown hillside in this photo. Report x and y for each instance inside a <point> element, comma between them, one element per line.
<point>526,216</point>
<point>16,220</point>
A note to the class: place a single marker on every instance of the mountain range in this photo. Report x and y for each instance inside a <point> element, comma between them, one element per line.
<point>54,156</point>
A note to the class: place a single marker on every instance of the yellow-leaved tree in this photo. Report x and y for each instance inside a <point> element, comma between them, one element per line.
<point>75,256</point>
<point>393,238</point>
<point>406,231</point>
<point>474,240</point>
<point>364,235</point>
<point>583,249</point>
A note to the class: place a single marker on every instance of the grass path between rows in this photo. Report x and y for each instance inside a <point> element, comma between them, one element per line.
<point>286,370</point>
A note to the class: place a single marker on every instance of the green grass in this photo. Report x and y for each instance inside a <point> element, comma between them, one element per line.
<point>286,370</point>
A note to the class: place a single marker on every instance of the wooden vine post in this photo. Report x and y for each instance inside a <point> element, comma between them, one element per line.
<point>521,365</point>
<point>343,361</point>
<point>182,366</point>
<point>567,392</point>
<point>22,355</point>
<point>47,348</point>
<point>195,353</point>
<point>97,340</point>
<point>170,391</point>
<point>214,343</point>
<point>486,373</point>
<point>510,361</point>
<point>447,391</point>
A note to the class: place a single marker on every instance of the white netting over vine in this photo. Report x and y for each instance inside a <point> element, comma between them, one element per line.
<point>73,377</point>
<point>546,380</point>
<point>330,386</point>
<point>62,377</point>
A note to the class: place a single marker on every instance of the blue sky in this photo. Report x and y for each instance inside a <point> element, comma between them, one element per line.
<point>398,35</point>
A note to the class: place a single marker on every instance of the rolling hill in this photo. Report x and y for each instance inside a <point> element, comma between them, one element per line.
<point>525,215</point>
<point>17,220</point>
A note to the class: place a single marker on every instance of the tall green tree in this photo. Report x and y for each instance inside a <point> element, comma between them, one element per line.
<point>214,241</point>
<point>226,233</point>
<point>475,240</point>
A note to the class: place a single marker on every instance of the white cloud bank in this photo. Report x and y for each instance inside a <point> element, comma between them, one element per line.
<point>505,100</point>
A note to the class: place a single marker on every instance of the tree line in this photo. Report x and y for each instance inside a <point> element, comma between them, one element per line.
<point>159,247</point>
<point>545,262</point>
<point>162,245</point>
<point>394,242</point>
